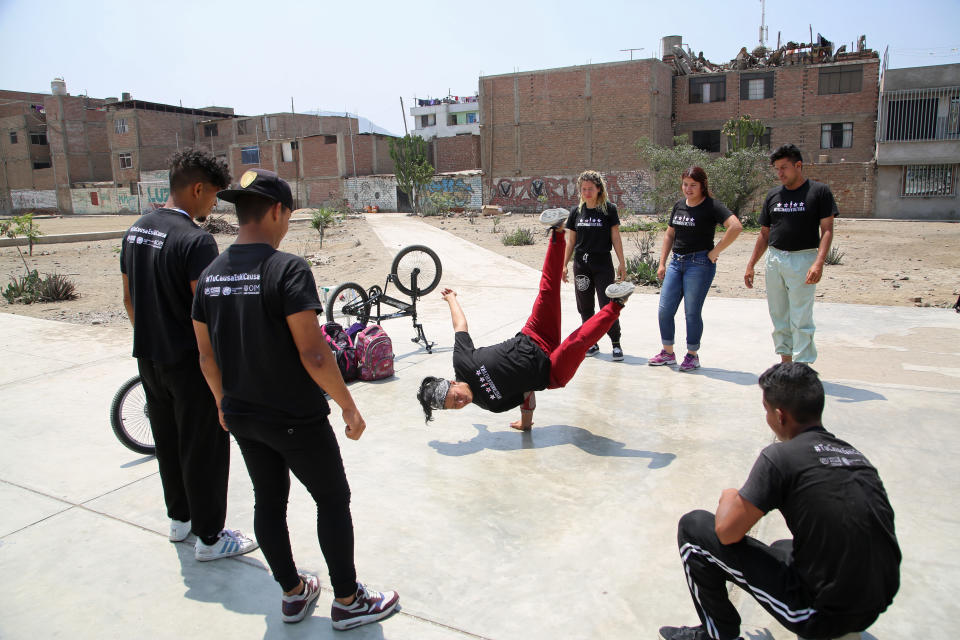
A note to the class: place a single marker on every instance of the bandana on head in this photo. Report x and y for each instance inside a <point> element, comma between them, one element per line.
<point>440,394</point>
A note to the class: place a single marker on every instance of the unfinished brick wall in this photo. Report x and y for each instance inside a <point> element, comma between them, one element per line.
<point>561,121</point>
<point>455,153</point>
<point>796,111</point>
<point>853,185</point>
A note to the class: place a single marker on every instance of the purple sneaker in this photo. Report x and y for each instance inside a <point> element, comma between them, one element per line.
<point>369,606</point>
<point>295,608</point>
<point>662,358</point>
<point>690,362</point>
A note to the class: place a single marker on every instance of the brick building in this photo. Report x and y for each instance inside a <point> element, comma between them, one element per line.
<point>540,129</point>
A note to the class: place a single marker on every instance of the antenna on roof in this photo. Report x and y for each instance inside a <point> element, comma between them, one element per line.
<point>764,29</point>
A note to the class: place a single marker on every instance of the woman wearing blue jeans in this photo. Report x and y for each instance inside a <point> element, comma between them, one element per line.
<point>693,222</point>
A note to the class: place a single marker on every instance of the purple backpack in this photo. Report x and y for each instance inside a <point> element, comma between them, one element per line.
<point>343,350</point>
<point>374,353</point>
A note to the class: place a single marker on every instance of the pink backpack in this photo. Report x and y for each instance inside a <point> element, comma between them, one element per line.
<point>374,353</point>
<point>343,350</point>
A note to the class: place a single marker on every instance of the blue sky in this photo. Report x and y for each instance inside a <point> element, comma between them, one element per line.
<point>362,56</point>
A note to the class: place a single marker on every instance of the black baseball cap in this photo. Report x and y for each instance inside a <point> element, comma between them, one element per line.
<point>263,183</point>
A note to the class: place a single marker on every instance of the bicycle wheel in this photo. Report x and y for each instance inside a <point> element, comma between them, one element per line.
<point>129,419</point>
<point>348,303</point>
<point>416,256</point>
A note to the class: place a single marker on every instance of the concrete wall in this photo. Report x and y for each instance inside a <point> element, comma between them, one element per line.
<point>939,75</point>
<point>442,112</point>
<point>368,191</point>
<point>32,199</point>
<point>890,204</point>
<point>466,188</point>
<point>626,189</point>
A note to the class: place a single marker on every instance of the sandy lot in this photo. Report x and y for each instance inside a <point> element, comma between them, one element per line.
<point>885,262</point>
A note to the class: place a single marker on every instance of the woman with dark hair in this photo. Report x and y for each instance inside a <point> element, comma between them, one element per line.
<point>693,222</point>
<point>593,228</point>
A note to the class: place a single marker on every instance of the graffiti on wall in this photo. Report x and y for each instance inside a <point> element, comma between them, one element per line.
<point>33,199</point>
<point>128,202</point>
<point>369,191</point>
<point>626,189</point>
<point>466,191</point>
<point>153,195</point>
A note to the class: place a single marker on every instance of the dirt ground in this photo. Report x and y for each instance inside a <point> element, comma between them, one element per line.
<point>884,263</point>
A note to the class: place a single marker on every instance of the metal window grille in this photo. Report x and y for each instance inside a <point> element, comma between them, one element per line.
<point>126,161</point>
<point>38,138</point>
<point>929,180</point>
<point>120,125</point>
<point>919,114</point>
<point>710,89</point>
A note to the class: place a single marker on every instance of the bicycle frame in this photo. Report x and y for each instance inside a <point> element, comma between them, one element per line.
<point>377,297</point>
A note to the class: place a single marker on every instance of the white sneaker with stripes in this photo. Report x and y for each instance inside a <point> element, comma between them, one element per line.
<point>229,543</point>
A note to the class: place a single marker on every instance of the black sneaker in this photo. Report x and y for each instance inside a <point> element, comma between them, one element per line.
<point>617,353</point>
<point>369,606</point>
<point>684,633</point>
<point>594,350</point>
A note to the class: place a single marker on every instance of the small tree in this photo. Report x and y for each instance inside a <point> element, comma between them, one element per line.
<point>667,163</point>
<point>736,178</point>
<point>413,172</point>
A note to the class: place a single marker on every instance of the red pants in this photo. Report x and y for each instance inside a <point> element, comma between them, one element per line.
<point>543,326</point>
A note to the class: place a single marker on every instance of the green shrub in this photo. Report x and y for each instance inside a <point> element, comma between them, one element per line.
<point>834,256</point>
<point>31,288</point>
<point>518,237</point>
<point>642,267</point>
<point>750,220</point>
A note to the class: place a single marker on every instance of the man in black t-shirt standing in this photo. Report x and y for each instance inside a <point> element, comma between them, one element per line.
<point>161,257</point>
<point>841,569</point>
<point>797,225</point>
<point>265,358</point>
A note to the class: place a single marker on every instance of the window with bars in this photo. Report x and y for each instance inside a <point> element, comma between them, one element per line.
<point>709,89</point>
<point>126,160</point>
<point>836,135</point>
<point>848,79</point>
<point>38,138</point>
<point>929,181</point>
<point>756,86</point>
<point>708,140</point>
<point>249,155</point>
<point>120,125</point>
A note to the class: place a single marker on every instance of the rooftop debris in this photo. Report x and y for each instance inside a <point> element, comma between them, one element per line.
<point>819,52</point>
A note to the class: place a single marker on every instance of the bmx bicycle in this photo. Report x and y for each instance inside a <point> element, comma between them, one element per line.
<point>129,418</point>
<point>415,271</point>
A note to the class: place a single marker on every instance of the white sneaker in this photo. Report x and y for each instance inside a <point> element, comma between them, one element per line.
<point>295,608</point>
<point>554,218</point>
<point>179,531</point>
<point>369,606</point>
<point>230,543</point>
<point>620,291</point>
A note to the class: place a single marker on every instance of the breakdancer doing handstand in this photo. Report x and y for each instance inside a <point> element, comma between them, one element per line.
<point>503,376</point>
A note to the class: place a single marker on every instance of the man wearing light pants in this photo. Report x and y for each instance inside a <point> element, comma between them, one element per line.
<point>797,224</point>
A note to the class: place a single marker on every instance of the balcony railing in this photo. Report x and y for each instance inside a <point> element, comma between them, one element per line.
<point>919,114</point>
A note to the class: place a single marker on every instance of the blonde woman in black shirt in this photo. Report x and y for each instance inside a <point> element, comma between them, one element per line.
<point>593,228</point>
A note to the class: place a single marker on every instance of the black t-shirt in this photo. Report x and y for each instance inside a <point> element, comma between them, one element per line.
<point>161,254</point>
<point>844,544</point>
<point>593,228</point>
<point>794,216</point>
<point>244,298</point>
<point>499,375</point>
<point>696,226</point>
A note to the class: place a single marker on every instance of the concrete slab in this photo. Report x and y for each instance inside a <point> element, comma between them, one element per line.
<point>564,532</point>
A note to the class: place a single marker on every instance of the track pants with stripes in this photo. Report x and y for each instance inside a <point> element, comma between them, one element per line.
<point>765,572</point>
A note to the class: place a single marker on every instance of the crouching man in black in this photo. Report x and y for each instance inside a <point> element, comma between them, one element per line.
<point>842,567</point>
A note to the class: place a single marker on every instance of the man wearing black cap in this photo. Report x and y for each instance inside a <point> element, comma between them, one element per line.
<point>268,365</point>
<point>161,258</point>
